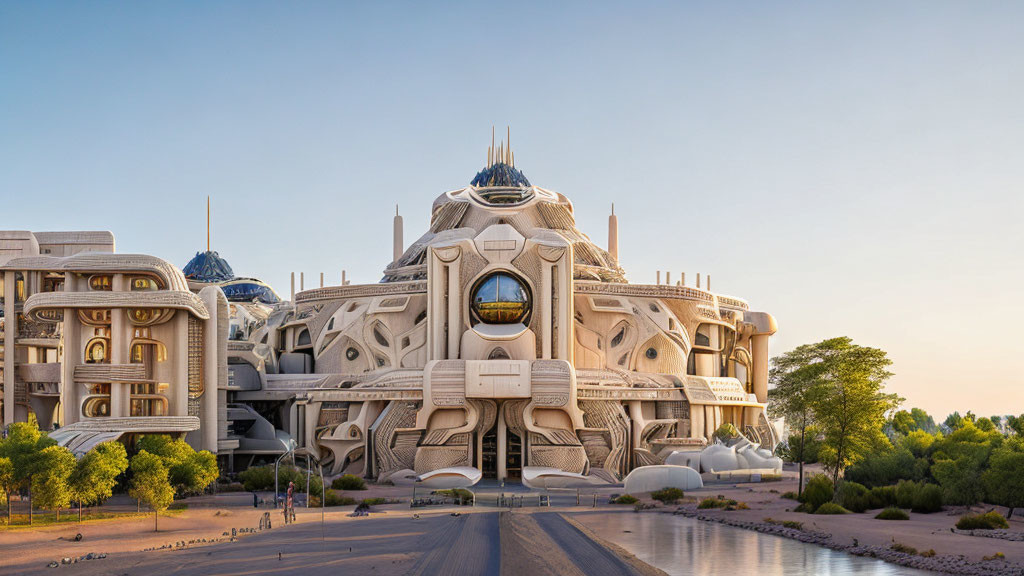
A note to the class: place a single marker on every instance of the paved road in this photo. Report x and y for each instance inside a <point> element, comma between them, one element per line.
<point>590,557</point>
<point>468,544</point>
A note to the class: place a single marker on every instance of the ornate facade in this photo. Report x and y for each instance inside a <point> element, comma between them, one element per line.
<point>502,339</point>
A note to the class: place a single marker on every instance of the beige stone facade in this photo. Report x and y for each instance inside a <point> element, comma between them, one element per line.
<point>503,338</point>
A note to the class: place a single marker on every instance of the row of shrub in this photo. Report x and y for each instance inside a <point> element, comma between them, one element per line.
<point>987,521</point>
<point>920,497</point>
<point>262,478</point>
<point>333,498</point>
<point>258,478</point>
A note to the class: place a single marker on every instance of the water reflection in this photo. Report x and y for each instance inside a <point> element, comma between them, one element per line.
<point>681,545</point>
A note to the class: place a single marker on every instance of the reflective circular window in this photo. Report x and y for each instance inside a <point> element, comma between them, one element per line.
<point>501,298</point>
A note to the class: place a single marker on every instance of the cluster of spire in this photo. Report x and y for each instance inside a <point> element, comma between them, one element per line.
<point>503,153</point>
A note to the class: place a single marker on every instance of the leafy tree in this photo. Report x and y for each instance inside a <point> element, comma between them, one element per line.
<point>189,471</point>
<point>887,467</point>
<point>1004,480</point>
<point>997,421</point>
<point>22,446</point>
<point>985,424</point>
<point>8,483</point>
<point>797,386</point>
<point>54,466</point>
<point>959,460</point>
<point>953,422</point>
<point>151,484</point>
<point>923,421</point>
<point>902,422</point>
<point>1016,423</point>
<point>96,473</point>
<point>849,404</point>
<point>918,443</point>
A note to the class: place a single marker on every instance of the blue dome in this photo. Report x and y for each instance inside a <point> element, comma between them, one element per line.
<point>249,290</point>
<point>208,267</point>
<point>500,174</point>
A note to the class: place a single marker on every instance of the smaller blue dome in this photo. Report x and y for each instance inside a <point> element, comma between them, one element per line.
<point>500,174</point>
<point>208,267</point>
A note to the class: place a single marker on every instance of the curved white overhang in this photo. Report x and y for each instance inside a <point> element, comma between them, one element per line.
<point>41,301</point>
<point>454,477</point>
<point>104,263</point>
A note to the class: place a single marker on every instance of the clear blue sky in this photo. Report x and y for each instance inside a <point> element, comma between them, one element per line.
<point>854,170</point>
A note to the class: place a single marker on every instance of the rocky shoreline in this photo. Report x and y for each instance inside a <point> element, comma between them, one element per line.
<point>945,564</point>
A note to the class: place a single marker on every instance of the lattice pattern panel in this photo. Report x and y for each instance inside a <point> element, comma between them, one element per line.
<point>195,365</point>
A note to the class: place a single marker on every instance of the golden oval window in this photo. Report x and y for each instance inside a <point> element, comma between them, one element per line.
<point>101,282</point>
<point>142,283</point>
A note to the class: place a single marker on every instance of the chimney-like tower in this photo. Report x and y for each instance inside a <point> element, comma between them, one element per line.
<point>613,234</point>
<point>399,243</point>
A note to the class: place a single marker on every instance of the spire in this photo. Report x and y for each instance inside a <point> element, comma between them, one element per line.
<point>500,169</point>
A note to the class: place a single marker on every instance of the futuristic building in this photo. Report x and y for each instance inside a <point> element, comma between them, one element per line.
<point>502,339</point>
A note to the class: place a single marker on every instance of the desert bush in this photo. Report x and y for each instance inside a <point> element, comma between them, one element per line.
<point>461,494</point>
<point>854,497</point>
<point>986,521</point>
<point>892,514</point>
<point>882,497</point>
<point>375,501</point>
<point>786,523</point>
<point>927,500</point>
<point>625,499</point>
<point>831,508</point>
<point>348,482</point>
<point>906,490</point>
<point>262,478</point>
<point>334,499</point>
<point>789,495</point>
<point>817,492</point>
<point>719,502</point>
<point>667,495</point>
<point>904,548</point>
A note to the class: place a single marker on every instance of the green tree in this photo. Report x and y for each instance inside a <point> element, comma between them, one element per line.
<point>953,422</point>
<point>151,484</point>
<point>54,466</point>
<point>959,460</point>
<point>985,424</point>
<point>997,421</point>
<point>22,446</point>
<point>903,423</point>
<point>189,471</point>
<point>1016,423</point>
<point>8,483</point>
<point>1004,482</point>
<point>96,473</point>
<point>850,406</point>
<point>796,387</point>
<point>923,421</point>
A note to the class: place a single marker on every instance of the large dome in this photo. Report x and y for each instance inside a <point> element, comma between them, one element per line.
<point>208,267</point>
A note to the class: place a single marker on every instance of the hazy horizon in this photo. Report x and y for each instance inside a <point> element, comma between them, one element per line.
<point>853,170</point>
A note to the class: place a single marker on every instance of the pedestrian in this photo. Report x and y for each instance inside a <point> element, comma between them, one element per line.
<point>255,500</point>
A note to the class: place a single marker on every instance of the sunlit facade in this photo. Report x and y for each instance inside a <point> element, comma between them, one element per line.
<point>502,340</point>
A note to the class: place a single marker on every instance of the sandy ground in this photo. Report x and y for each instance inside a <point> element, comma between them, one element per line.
<point>922,531</point>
